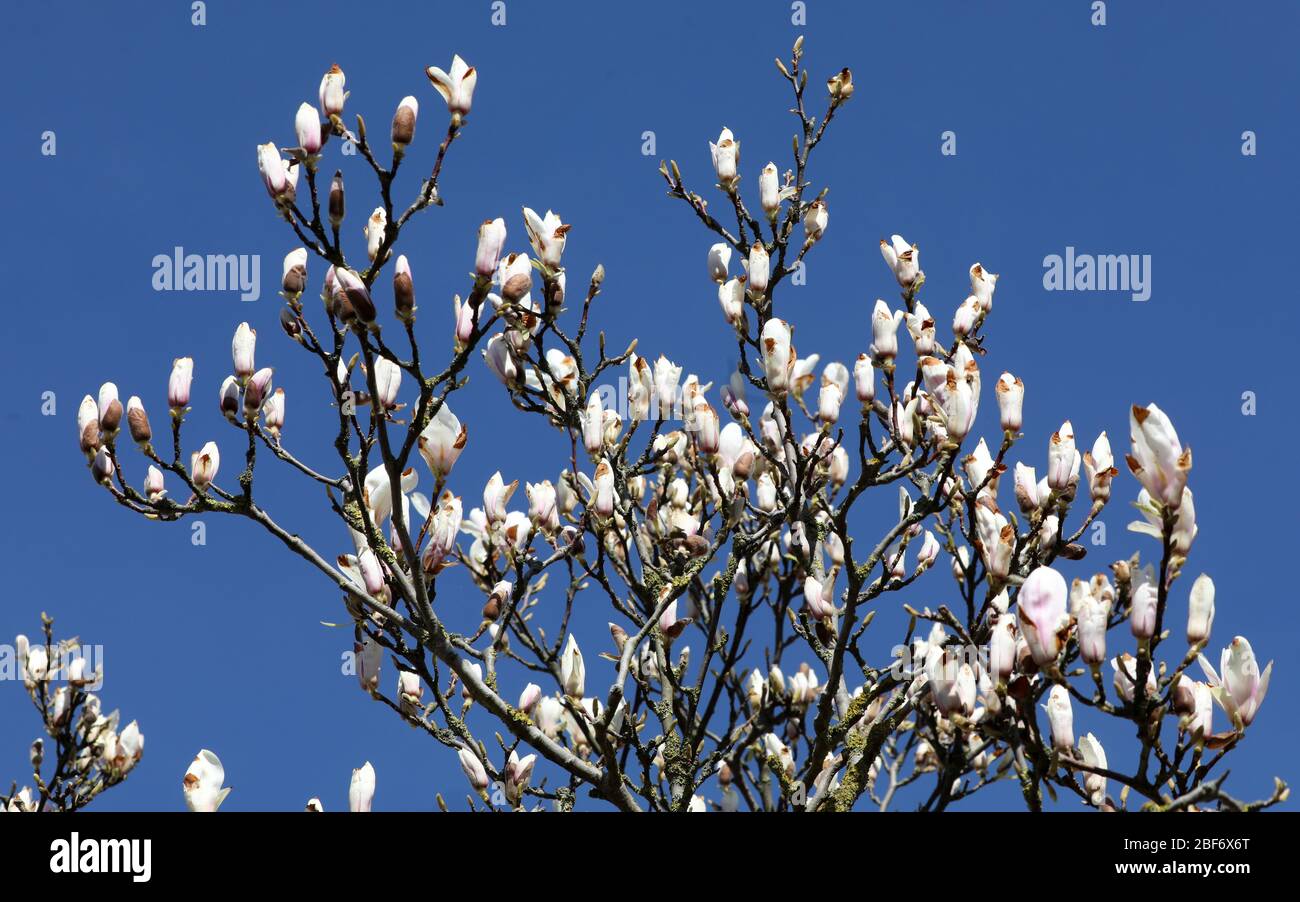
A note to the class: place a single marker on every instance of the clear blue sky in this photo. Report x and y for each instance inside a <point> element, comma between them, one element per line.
<point>1119,139</point>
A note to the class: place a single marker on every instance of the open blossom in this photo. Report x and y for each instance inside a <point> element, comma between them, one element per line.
<point>547,235</point>
<point>1238,687</point>
<point>456,86</point>
<point>982,283</point>
<point>1158,460</point>
<point>1093,755</point>
<point>1041,603</point>
<point>1184,527</point>
<point>204,464</point>
<point>1099,467</point>
<point>202,785</point>
<point>495,497</point>
<point>726,157</point>
<point>374,232</point>
<point>903,258</point>
<point>442,441</point>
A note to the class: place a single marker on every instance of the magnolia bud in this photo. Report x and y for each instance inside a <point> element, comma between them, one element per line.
<point>374,230</point>
<point>840,86</point>
<point>403,290</point>
<point>337,202</point>
<point>178,384</point>
<point>88,427</point>
<point>137,421</point>
<point>257,390</point>
<point>1200,614</point>
<point>273,412</point>
<point>361,791</point>
<point>726,158</point>
<point>884,332</point>
<point>769,191</point>
<point>358,296</point>
<point>242,351</point>
<point>294,279</point>
<point>573,673</point>
<point>110,410</point>
<point>864,379</point>
<point>404,123</point>
<point>759,268</point>
<point>1158,460</point>
<point>1011,398</point>
<point>1060,716</point>
<point>102,466</point>
<point>332,94</point>
<point>154,486</point>
<point>815,219</point>
<point>778,355</point>
<point>491,241</point>
<point>1061,458</point>
<point>719,260</point>
<point>307,125</point>
<point>229,399</point>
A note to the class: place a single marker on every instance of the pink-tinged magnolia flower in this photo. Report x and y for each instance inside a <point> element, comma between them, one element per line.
<point>884,333</point>
<point>726,158</point>
<point>372,572</point>
<point>593,425</point>
<point>864,379</point>
<point>518,772</point>
<point>499,359</point>
<point>445,526</point>
<point>758,269</point>
<point>982,283</point>
<point>388,379</point>
<point>1092,613</point>
<point>1238,687</point>
<point>491,241</point>
<point>778,355</point>
<point>109,410</point>
<point>603,498</point>
<point>204,464</point>
<point>242,351</point>
<point>1142,612</point>
<point>456,86</point>
<point>1099,467</point>
<point>356,294</point>
<point>495,496</point>
<point>332,95</point>
<point>547,236</point>
<point>88,427</point>
<point>1093,755</point>
<point>573,672</point>
<point>178,384</point>
<point>442,441</point>
<point>307,125</point>
<point>369,656</point>
<point>952,682</point>
<point>1200,610</point>
<point>257,390</point>
<point>1158,460</point>
<point>706,426</point>
<point>1184,528</point>
<point>409,689</point>
<point>902,258</point>
<point>820,607</point>
<point>929,551</point>
<point>102,467</point>
<point>959,406</point>
<point>202,785</point>
<point>815,218</point>
<point>966,317</point>
<point>920,325</point>
<point>1011,398</point>
<point>1062,458</point>
<point>542,508</point>
<point>154,486</point>
<point>529,698</point>
<point>1042,614</point>
<point>1126,667</point>
<point>719,260</point>
<point>670,624</point>
<point>1060,716</point>
<point>517,530</point>
<point>769,190</point>
<point>403,132</point>
<point>374,232</point>
<point>361,791</point>
<point>731,297</point>
<point>1002,649</point>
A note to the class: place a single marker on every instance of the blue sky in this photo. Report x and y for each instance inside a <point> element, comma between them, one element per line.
<point>1117,139</point>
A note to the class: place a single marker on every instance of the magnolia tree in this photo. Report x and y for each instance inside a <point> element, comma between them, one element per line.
<point>736,540</point>
<point>90,753</point>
